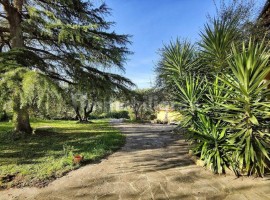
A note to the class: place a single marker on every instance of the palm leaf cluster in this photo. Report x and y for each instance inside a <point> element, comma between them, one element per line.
<point>226,101</point>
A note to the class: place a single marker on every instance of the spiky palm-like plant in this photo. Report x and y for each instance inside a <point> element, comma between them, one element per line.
<point>177,60</point>
<point>248,106</point>
<point>212,143</point>
<point>188,94</point>
<point>216,40</point>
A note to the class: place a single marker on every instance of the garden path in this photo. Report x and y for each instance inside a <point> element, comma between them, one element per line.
<point>154,164</point>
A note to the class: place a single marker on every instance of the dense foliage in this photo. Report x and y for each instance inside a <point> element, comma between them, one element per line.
<point>45,45</point>
<point>223,93</point>
<point>144,102</point>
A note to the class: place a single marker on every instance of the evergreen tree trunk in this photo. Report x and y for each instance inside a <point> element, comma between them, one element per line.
<point>14,18</point>
<point>20,117</point>
<point>20,114</point>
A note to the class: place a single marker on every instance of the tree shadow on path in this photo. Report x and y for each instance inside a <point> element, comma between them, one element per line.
<point>155,147</point>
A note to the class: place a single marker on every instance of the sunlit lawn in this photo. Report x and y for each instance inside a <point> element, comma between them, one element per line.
<point>48,154</point>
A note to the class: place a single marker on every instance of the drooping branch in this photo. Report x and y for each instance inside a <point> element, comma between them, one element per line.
<point>58,39</point>
<point>3,16</point>
<point>53,56</point>
<point>59,78</point>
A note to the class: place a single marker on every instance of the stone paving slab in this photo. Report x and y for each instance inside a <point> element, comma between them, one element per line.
<point>154,164</point>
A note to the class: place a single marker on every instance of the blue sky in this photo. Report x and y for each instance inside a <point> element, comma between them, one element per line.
<point>153,23</point>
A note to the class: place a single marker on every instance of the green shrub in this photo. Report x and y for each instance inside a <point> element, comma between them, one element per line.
<point>115,114</point>
<point>4,116</point>
<point>97,116</point>
<point>247,107</point>
<point>212,143</point>
<point>118,114</point>
<point>152,117</point>
<point>103,116</point>
<point>229,113</point>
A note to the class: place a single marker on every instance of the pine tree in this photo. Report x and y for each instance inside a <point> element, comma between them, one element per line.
<point>59,41</point>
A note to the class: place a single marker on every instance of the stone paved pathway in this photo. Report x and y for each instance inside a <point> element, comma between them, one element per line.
<point>152,165</point>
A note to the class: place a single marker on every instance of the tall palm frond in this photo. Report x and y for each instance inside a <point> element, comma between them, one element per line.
<point>216,44</point>
<point>249,104</point>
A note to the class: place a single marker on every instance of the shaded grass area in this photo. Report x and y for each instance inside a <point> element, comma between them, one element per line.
<point>36,160</point>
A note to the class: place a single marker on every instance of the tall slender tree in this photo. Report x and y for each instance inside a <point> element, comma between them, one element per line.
<point>61,41</point>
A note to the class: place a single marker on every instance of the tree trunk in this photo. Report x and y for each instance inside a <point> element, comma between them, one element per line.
<point>136,116</point>
<point>20,117</point>
<point>15,19</point>
<point>141,114</point>
<point>136,112</point>
<point>21,121</point>
<point>87,113</point>
<point>78,115</point>
<point>20,114</point>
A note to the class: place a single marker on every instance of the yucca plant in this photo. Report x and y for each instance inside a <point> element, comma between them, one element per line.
<point>217,92</point>
<point>248,106</point>
<point>177,60</point>
<point>188,94</point>
<point>216,40</point>
<point>212,144</point>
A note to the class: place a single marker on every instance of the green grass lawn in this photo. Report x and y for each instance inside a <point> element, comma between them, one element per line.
<point>36,160</point>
